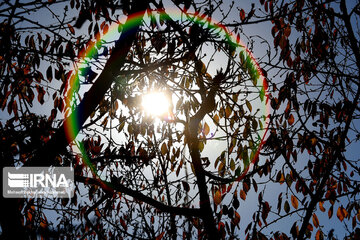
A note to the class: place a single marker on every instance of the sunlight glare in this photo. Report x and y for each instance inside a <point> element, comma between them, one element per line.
<point>155,103</point>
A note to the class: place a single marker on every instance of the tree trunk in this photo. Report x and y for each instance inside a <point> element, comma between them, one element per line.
<point>58,143</point>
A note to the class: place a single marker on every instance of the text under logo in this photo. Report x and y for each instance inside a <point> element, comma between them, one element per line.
<point>38,182</point>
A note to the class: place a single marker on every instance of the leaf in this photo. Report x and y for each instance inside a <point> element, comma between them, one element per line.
<point>313,141</point>
<point>29,216</point>
<point>319,235</point>
<point>216,118</point>
<point>282,178</point>
<point>106,29</point>
<point>200,67</point>
<point>287,31</point>
<point>49,75</point>
<point>121,126</point>
<point>330,212</point>
<point>178,169</point>
<point>104,123</point>
<point>255,185</point>
<point>206,129</point>
<point>97,213</point>
<point>32,42</point>
<point>265,211</point>
<point>221,168</point>
<point>164,149</point>
<point>279,202</point>
<point>43,223</point>
<point>315,220</point>
<point>242,14</point>
<point>186,186</point>
<point>321,206</point>
<point>228,111</point>
<point>71,29</point>
<point>242,194</point>
<point>123,224</point>
<point>248,104</point>
<point>160,236</point>
<point>236,203</point>
<point>96,149</point>
<point>236,219</point>
<point>217,197</point>
<point>294,230</point>
<point>291,119</point>
<point>283,42</point>
<point>41,94</point>
<point>294,202</point>
<point>341,213</point>
<point>310,227</point>
<point>14,107</point>
<point>286,207</point>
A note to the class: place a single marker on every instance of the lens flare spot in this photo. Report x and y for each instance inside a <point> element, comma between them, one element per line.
<point>155,103</point>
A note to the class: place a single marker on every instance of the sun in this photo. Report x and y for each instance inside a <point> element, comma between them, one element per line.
<point>155,104</point>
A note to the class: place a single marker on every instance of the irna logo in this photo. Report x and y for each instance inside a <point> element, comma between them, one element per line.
<point>16,180</point>
<point>38,182</point>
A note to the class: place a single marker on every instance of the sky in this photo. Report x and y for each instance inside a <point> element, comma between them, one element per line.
<point>213,148</point>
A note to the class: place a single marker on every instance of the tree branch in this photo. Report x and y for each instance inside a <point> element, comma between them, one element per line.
<point>58,142</point>
<point>115,185</point>
<point>338,146</point>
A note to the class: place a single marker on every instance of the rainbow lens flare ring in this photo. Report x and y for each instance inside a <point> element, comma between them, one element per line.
<point>252,67</point>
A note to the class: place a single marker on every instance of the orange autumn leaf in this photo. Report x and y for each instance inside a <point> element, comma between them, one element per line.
<point>242,195</point>
<point>164,149</point>
<point>319,235</point>
<point>236,219</point>
<point>294,202</point>
<point>217,197</point>
<point>242,14</point>
<point>71,29</point>
<point>106,29</point>
<point>97,213</point>
<point>321,206</point>
<point>330,212</point>
<point>310,227</point>
<point>291,119</point>
<point>341,213</point>
<point>206,129</point>
<point>315,220</point>
<point>160,236</point>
